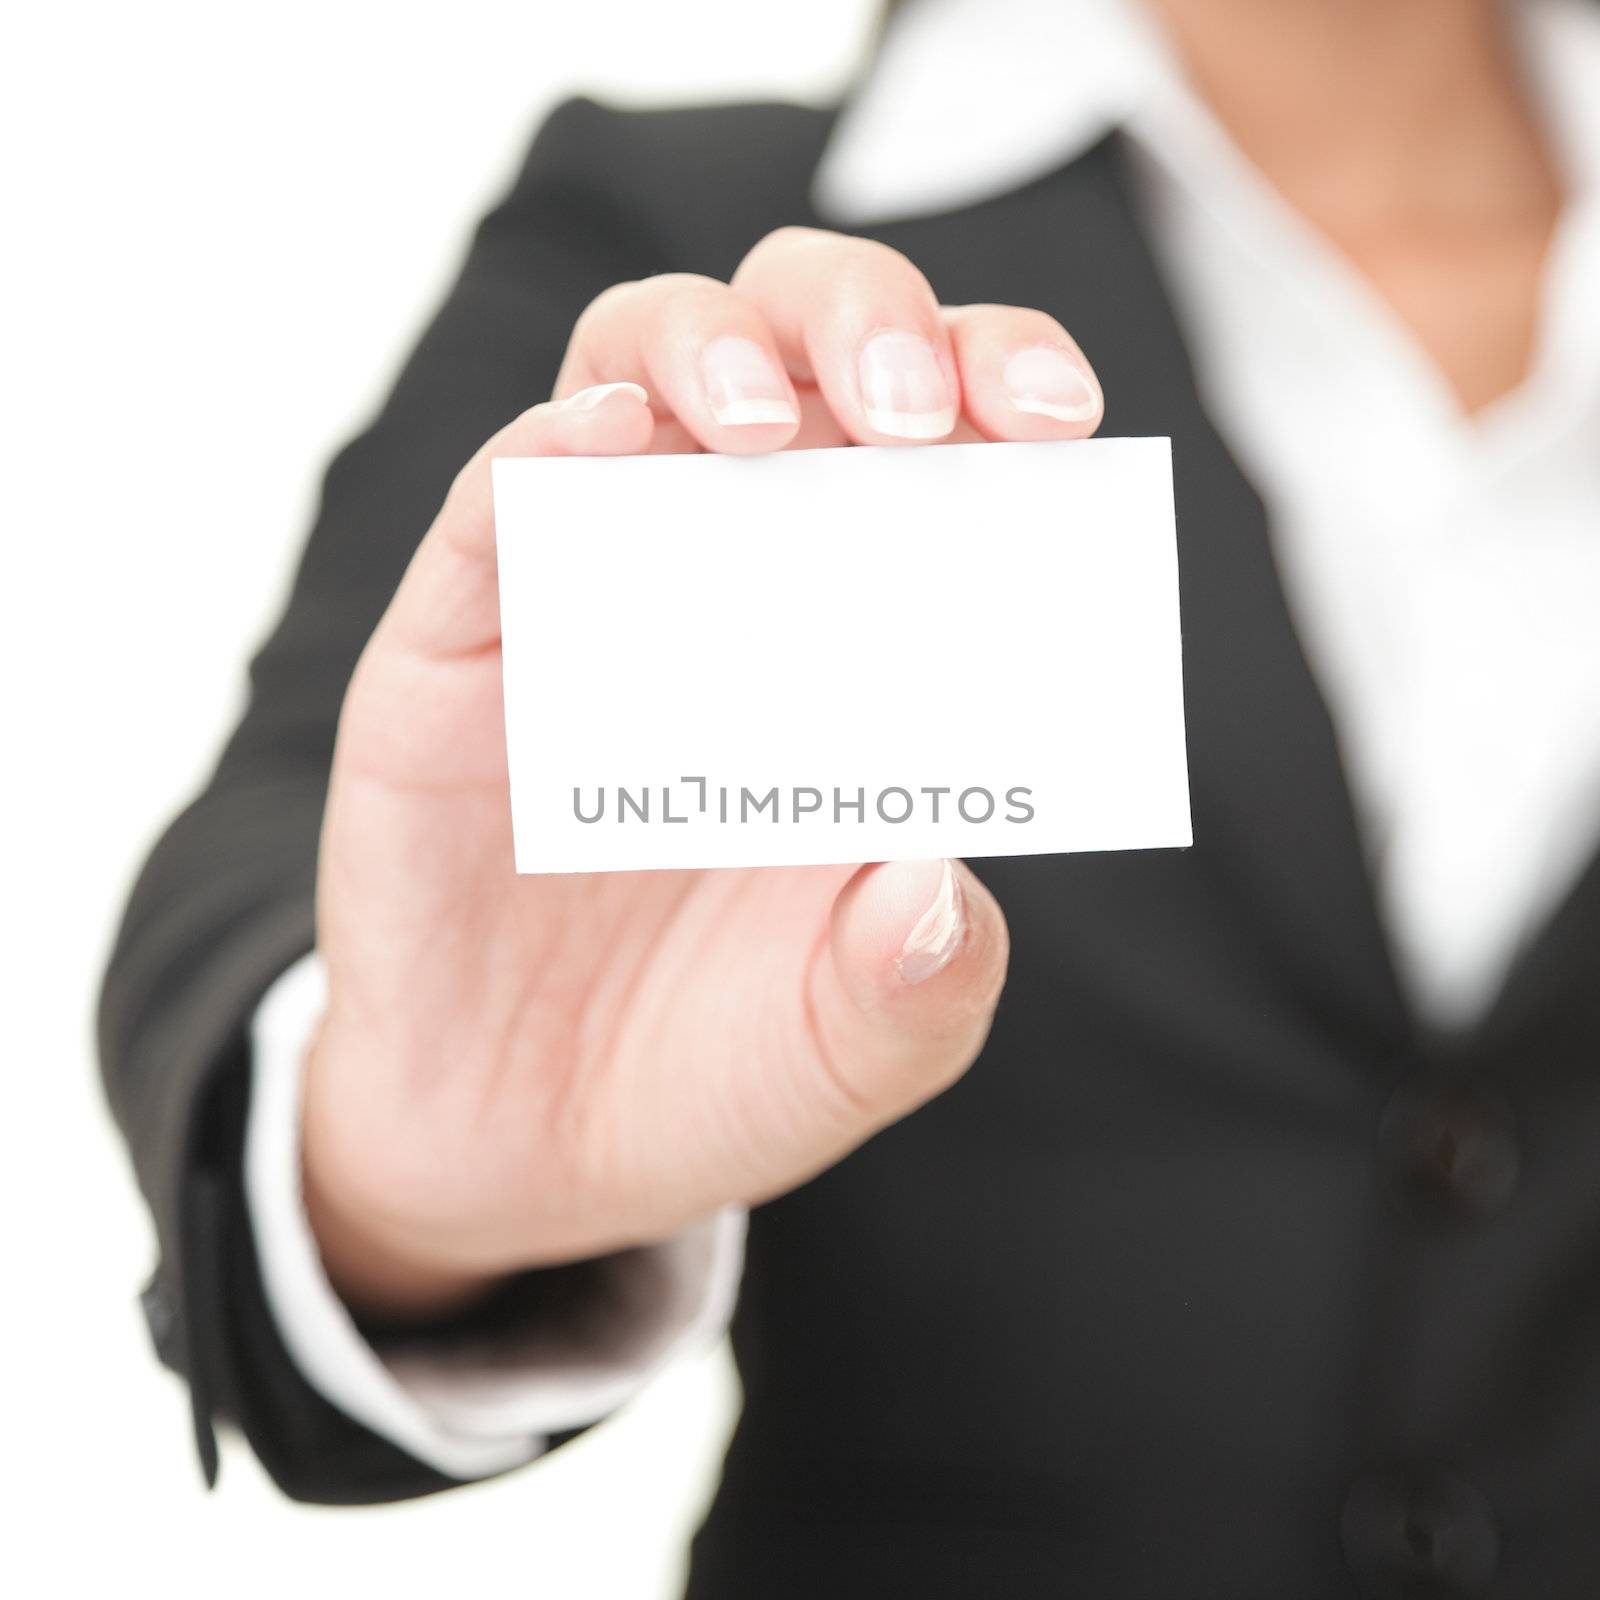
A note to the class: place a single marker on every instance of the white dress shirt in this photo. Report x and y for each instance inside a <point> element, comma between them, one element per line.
<point>1443,572</point>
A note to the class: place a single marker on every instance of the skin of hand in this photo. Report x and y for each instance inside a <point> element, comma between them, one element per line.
<point>513,1072</point>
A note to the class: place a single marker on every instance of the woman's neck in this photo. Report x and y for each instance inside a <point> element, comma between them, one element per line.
<point>1403,132</point>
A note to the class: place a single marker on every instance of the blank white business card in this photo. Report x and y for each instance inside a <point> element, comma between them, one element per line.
<point>841,655</point>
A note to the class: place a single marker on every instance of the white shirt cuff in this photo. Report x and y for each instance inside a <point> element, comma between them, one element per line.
<point>475,1408</point>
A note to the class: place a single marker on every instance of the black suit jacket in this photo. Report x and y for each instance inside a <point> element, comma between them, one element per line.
<point>1217,1276</point>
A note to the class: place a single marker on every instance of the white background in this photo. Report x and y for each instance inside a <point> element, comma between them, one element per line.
<point>224,225</point>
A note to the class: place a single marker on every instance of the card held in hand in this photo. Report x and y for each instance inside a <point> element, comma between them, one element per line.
<point>841,655</point>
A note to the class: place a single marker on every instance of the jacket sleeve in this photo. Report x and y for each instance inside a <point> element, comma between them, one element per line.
<point>224,904</point>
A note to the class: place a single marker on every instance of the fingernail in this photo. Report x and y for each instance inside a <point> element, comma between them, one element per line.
<point>1049,383</point>
<point>744,385</point>
<point>932,944</point>
<point>903,388</point>
<point>588,399</point>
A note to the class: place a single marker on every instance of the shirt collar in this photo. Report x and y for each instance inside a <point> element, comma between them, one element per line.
<point>970,98</point>
<point>1561,52</point>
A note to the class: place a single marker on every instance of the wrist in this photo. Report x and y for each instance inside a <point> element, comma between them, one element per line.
<point>380,1278</point>
<point>380,1265</point>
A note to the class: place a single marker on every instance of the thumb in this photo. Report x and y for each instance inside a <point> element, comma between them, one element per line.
<point>448,604</point>
<point>432,729</point>
<point>905,990</point>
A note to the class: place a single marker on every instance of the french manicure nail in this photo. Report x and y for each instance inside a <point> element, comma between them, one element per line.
<point>903,388</point>
<point>596,393</point>
<point>744,385</point>
<point>1049,383</point>
<point>932,944</point>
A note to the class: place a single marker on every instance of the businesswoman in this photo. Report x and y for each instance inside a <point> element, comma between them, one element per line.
<point>1209,1223</point>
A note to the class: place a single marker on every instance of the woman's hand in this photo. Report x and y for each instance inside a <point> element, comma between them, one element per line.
<point>519,1071</point>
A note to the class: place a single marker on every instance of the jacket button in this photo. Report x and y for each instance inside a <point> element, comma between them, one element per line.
<point>1410,1532</point>
<point>160,1308</point>
<point>1450,1148</point>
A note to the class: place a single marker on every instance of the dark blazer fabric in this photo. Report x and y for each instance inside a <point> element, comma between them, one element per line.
<point>1219,1275</point>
